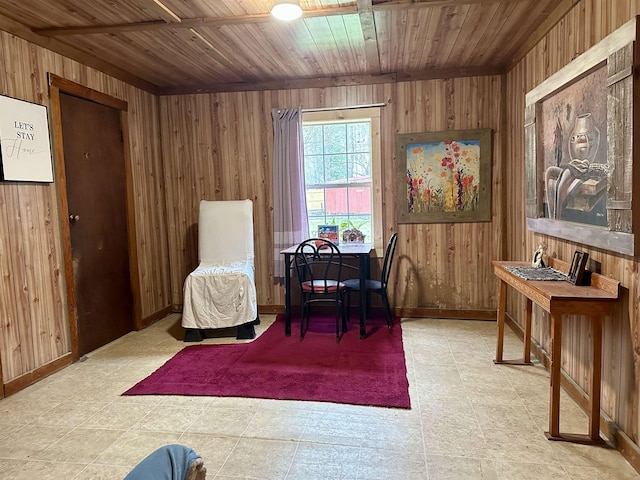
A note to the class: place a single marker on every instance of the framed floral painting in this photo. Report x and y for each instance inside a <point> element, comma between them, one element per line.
<point>444,176</point>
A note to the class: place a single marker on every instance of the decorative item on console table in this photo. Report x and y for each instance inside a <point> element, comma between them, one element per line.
<point>578,274</point>
<point>539,260</point>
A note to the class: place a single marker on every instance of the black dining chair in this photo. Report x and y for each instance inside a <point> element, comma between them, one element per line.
<point>376,286</point>
<point>318,265</point>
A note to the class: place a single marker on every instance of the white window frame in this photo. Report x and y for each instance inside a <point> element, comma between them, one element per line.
<point>371,114</point>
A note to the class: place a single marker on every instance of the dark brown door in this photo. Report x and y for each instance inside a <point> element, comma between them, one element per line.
<point>96,194</point>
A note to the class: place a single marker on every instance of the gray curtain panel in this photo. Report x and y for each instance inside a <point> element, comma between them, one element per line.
<point>290,223</point>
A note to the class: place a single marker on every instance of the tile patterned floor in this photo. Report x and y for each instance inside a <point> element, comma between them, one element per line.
<point>470,420</point>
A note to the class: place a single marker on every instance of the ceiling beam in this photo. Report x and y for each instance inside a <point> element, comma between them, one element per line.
<point>368,24</point>
<point>334,81</point>
<point>164,12</point>
<point>287,84</point>
<point>186,23</point>
<point>456,72</point>
<point>405,4</point>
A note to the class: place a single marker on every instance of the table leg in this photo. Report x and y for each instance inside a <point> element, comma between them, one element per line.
<point>526,356</point>
<point>596,371</point>
<point>287,294</point>
<point>502,304</point>
<point>367,276</point>
<point>362,274</point>
<point>556,377</point>
<point>593,438</point>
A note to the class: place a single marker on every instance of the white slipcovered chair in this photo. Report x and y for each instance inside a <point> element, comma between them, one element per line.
<point>221,291</point>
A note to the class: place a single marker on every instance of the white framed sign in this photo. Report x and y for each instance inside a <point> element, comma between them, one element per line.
<point>25,149</point>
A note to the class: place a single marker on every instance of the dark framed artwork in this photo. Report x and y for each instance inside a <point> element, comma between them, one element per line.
<point>444,177</point>
<point>574,141</point>
<point>25,149</point>
<point>579,148</point>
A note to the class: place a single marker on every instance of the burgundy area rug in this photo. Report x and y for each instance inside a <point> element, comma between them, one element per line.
<point>371,371</point>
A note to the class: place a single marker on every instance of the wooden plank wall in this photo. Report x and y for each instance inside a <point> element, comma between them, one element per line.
<point>33,317</point>
<point>219,146</point>
<point>587,23</point>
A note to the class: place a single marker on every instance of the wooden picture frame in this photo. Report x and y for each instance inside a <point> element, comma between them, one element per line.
<point>444,177</point>
<point>577,269</point>
<point>594,185</point>
<point>25,148</point>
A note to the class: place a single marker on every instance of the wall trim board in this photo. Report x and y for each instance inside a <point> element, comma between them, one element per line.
<point>630,451</point>
<point>154,317</point>
<point>417,312</point>
<point>29,378</point>
<point>433,313</point>
<point>271,309</point>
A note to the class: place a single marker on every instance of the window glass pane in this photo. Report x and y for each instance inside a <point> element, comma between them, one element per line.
<point>314,223</point>
<point>314,169</point>
<point>335,138</point>
<point>360,210</point>
<point>362,223</point>
<point>336,201</point>
<point>312,135</point>
<point>342,221</point>
<point>359,167</point>
<point>358,137</point>
<point>315,202</point>
<point>336,168</point>
<point>360,200</point>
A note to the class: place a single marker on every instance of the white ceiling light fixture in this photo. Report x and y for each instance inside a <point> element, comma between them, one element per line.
<point>286,10</point>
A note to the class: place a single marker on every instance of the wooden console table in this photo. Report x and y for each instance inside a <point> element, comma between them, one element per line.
<point>560,298</point>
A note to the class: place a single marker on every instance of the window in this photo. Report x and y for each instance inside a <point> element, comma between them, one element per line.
<point>342,171</point>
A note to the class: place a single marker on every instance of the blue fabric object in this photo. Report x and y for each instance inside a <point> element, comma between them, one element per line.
<point>170,462</point>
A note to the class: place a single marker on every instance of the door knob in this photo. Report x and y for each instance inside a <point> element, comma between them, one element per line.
<point>74,218</point>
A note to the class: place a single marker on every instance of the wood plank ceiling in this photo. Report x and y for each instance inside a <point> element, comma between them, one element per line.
<point>189,46</point>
